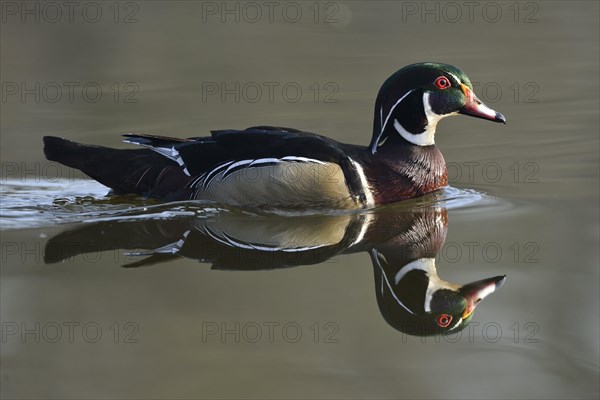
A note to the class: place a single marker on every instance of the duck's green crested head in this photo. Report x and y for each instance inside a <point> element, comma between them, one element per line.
<point>412,101</point>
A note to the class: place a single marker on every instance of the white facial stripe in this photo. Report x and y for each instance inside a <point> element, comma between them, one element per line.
<point>392,110</point>
<point>384,123</point>
<point>455,77</point>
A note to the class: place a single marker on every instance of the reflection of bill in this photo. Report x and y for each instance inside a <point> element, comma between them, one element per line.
<point>402,242</point>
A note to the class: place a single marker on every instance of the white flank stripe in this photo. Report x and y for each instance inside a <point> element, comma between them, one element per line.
<point>237,164</point>
<point>264,161</point>
<point>207,177</point>
<point>364,183</point>
<point>302,159</point>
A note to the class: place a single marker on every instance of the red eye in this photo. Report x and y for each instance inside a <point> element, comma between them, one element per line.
<point>443,320</point>
<point>442,83</point>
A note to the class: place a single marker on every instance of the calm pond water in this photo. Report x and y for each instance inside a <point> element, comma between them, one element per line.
<point>128,298</point>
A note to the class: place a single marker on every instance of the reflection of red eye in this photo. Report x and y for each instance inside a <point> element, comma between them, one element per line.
<point>443,320</point>
<point>442,83</point>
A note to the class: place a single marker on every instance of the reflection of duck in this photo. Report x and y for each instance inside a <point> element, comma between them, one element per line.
<point>286,168</point>
<point>403,245</point>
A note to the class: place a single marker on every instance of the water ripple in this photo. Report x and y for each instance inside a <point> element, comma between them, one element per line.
<point>29,204</point>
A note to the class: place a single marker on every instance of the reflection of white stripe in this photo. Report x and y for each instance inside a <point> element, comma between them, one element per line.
<point>456,324</point>
<point>172,248</point>
<point>435,284</point>
<point>422,264</point>
<point>385,279</point>
<point>231,241</point>
<point>363,229</point>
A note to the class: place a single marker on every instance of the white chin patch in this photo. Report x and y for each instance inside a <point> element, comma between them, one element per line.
<point>427,137</point>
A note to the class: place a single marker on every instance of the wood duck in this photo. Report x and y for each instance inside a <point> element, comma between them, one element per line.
<point>403,246</point>
<point>273,167</point>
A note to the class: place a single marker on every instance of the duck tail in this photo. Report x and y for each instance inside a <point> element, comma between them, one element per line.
<point>125,171</point>
<point>74,155</point>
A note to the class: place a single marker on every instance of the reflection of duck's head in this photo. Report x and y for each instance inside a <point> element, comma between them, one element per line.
<point>416,301</point>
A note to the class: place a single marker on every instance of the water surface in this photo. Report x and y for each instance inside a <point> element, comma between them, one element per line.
<point>523,202</point>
